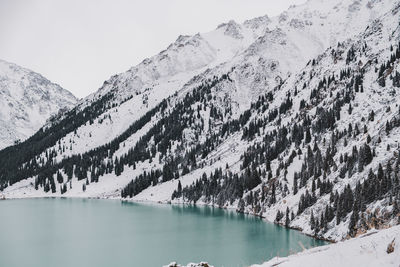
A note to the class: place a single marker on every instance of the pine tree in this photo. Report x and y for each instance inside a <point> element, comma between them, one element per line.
<point>241,205</point>
<point>396,209</point>
<point>287,221</point>
<point>388,128</point>
<point>179,188</point>
<point>316,228</point>
<point>371,116</point>
<point>380,172</point>
<point>64,189</point>
<point>323,224</point>
<point>46,187</point>
<point>278,216</point>
<point>367,155</point>
<point>352,224</point>
<point>312,221</point>
<point>337,216</point>
<point>53,185</point>
<point>308,136</point>
<point>273,194</point>
<point>60,178</point>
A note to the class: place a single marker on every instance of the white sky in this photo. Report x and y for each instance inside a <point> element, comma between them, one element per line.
<point>80,43</point>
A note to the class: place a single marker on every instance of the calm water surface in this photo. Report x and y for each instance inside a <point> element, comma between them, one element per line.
<point>82,232</point>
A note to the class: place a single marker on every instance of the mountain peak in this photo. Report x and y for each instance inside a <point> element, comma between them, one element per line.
<point>182,38</point>
<point>257,22</point>
<point>232,29</point>
<point>27,99</point>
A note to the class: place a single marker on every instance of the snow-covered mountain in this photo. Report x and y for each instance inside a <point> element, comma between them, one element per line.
<point>294,118</point>
<point>27,100</point>
<point>259,54</point>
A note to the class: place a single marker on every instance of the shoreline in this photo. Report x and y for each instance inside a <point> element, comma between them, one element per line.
<point>201,204</point>
<point>263,218</point>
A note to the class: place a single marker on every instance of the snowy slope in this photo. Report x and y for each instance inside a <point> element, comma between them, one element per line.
<point>27,100</point>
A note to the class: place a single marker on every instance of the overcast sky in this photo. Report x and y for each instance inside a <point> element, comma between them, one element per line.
<point>80,43</point>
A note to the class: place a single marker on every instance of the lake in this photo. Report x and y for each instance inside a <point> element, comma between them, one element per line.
<point>90,232</point>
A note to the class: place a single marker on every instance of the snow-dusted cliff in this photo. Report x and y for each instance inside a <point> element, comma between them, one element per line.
<point>27,100</point>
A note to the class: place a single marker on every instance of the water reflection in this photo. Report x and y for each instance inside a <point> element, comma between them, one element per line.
<point>107,233</point>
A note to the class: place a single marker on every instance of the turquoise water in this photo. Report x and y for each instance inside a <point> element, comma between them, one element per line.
<point>84,232</point>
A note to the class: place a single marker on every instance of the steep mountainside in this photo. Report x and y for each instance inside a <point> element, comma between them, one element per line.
<point>27,100</point>
<point>293,118</point>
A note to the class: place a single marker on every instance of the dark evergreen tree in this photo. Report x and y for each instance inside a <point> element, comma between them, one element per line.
<point>287,221</point>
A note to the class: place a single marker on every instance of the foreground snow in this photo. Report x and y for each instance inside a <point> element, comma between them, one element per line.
<point>369,249</point>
